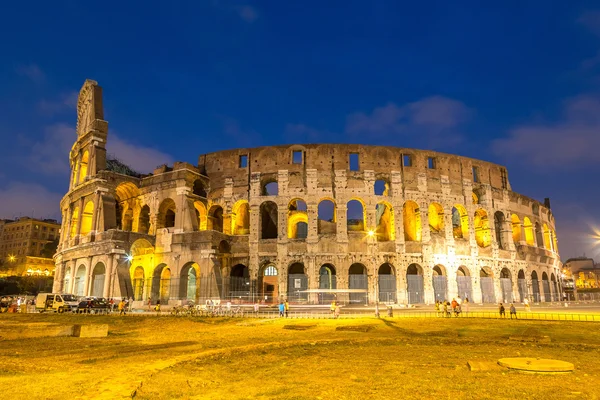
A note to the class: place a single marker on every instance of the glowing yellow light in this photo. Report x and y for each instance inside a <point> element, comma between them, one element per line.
<point>11,258</point>
<point>129,257</point>
<point>371,233</point>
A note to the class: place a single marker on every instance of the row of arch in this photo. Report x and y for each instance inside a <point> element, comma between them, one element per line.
<point>193,285</point>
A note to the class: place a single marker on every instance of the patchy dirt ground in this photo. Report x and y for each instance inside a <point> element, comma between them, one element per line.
<point>166,358</point>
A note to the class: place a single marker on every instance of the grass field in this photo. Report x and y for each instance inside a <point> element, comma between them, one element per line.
<point>167,357</point>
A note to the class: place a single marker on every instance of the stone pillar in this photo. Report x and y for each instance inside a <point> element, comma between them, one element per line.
<point>401,292</point>
<point>476,286</point>
<point>182,217</point>
<point>312,210</point>
<point>342,224</point>
<point>282,222</point>
<point>96,212</point>
<point>429,294</point>
<point>80,217</point>
<point>106,292</point>
<point>88,278</point>
<point>73,275</point>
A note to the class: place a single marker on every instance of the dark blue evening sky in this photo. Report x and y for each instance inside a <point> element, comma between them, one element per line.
<point>517,83</point>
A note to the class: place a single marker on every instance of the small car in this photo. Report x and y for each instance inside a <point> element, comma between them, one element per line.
<point>93,306</point>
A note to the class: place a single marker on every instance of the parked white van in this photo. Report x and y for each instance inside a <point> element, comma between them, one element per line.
<point>56,302</point>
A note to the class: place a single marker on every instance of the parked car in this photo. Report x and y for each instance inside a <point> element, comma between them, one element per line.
<point>93,306</point>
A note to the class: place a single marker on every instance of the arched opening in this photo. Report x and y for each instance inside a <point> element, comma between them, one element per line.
<point>539,237</point>
<point>215,219</point>
<point>535,287</point>
<point>240,219</point>
<point>79,284</point>
<point>387,283</point>
<point>326,217</point>
<point>269,284</point>
<point>414,284</point>
<point>268,217</point>
<point>201,215</point>
<point>74,221</point>
<point>355,216</point>
<point>412,221</point>
<point>381,187</point>
<point>555,294</point>
<point>224,247</point>
<point>440,283</point>
<point>86,218</point>
<point>357,283</point>
<point>297,219</point>
<point>436,218</point>
<point>161,284</point>
<point>125,195</point>
<point>522,285</point>
<point>83,166</point>
<point>460,222</point>
<point>127,220</point>
<point>546,287</point>
<point>384,217</point>
<point>297,283</point>
<point>486,280</point>
<point>506,285</point>
<point>528,228</point>
<point>144,220</point>
<point>327,281</point>
<point>516,228</point>
<point>199,189</point>
<point>498,228</point>
<point>189,283</point>
<point>138,283</point>
<point>166,214</point>
<point>464,282</point>
<point>547,238</point>
<point>98,277</point>
<point>239,282</point>
<point>67,281</point>
<point>482,228</point>
<point>118,215</point>
<point>270,188</point>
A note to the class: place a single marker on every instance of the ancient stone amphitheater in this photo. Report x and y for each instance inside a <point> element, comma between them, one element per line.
<point>307,223</point>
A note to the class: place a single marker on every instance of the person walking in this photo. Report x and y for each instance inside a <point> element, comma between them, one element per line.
<point>332,308</point>
<point>513,311</point>
<point>526,304</point>
<point>121,307</point>
<point>149,304</point>
<point>256,308</point>
<point>466,305</point>
<point>337,311</point>
<point>377,310</point>
<point>130,304</point>
<point>445,309</point>
<point>281,309</point>
<point>287,308</point>
<point>502,311</point>
<point>454,305</point>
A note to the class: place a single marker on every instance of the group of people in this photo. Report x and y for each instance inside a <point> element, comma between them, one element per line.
<point>19,303</point>
<point>512,309</point>
<point>122,306</point>
<point>335,309</point>
<point>284,308</point>
<point>444,308</point>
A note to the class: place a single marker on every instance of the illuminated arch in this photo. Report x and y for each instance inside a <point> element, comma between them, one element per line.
<point>166,214</point>
<point>539,236</point>
<point>482,228</point>
<point>499,220</point>
<point>269,220</point>
<point>74,221</point>
<point>384,220</point>
<point>87,218</point>
<point>189,282</point>
<point>138,283</point>
<point>547,237</point>
<point>554,241</point>
<point>297,219</point>
<point>412,221</point>
<point>436,217</point>
<point>240,218</point>
<point>516,228</point>
<point>356,215</point>
<point>143,225</point>
<point>215,218</point>
<point>528,228</point>
<point>326,216</point>
<point>460,222</point>
<point>201,215</point>
<point>83,166</point>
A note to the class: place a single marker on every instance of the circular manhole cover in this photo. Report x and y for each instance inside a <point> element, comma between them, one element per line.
<point>536,364</point>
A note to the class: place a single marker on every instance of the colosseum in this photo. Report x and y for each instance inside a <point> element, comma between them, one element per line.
<point>307,223</point>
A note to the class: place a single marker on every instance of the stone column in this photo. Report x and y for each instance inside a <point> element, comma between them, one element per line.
<point>106,292</point>
<point>73,275</point>
<point>88,278</point>
<point>96,211</point>
<point>312,210</point>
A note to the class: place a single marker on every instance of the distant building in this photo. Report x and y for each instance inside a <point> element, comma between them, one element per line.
<point>22,246</point>
<point>584,271</point>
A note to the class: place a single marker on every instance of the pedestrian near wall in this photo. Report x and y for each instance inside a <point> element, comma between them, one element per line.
<point>513,311</point>
<point>281,309</point>
<point>502,311</point>
<point>121,307</point>
<point>130,304</point>
<point>287,308</point>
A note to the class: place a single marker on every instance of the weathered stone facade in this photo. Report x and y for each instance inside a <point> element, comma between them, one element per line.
<point>390,224</point>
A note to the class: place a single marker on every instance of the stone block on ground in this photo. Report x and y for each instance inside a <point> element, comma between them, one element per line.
<point>90,331</point>
<point>354,328</point>
<point>475,366</point>
<point>299,327</point>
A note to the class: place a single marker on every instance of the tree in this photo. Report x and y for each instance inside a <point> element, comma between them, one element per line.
<point>49,249</point>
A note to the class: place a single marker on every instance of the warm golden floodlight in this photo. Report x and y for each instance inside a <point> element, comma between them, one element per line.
<point>371,233</point>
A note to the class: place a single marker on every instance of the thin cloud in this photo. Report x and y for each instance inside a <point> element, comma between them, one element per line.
<point>434,118</point>
<point>571,142</point>
<point>29,199</point>
<point>139,158</point>
<point>31,71</point>
<point>591,20</point>
<point>64,103</point>
<point>303,133</point>
<point>248,13</point>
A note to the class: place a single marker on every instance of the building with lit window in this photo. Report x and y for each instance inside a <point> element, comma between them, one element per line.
<point>307,223</point>
<point>22,245</point>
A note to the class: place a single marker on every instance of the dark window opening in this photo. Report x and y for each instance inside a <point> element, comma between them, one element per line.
<point>431,163</point>
<point>297,157</point>
<point>475,174</point>
<point>243,161</point>
<point>354,162</point>
<point>407,160</point>
<point>504,178</point>
<point>271,189</point>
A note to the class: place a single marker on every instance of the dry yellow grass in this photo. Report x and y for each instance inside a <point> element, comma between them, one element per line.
<point>166,358</point>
